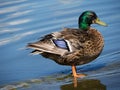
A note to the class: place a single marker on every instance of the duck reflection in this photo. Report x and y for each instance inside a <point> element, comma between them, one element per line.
<point>91,84</point>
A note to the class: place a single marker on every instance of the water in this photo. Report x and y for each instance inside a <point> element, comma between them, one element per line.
<point>23,21</point>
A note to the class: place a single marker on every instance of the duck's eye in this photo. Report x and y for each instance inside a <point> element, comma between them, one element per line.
<point>93,18</point>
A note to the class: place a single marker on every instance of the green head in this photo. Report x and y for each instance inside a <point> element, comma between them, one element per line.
<point>87,18</point>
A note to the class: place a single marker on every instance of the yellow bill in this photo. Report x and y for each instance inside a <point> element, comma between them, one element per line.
<point>98,21</point>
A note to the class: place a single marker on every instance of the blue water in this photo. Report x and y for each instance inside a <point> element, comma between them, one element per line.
<point>25,21</point>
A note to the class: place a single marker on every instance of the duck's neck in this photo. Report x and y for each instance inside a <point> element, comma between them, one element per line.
<point>84,26</point>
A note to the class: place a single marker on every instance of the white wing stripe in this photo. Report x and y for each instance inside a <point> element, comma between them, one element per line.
<point>69,45</point>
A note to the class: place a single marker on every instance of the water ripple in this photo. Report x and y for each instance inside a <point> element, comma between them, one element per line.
<point>23,21</point>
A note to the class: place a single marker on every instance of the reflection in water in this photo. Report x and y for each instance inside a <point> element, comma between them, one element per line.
<point>91,84</point>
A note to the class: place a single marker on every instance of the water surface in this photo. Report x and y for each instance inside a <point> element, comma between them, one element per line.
<point>24,21</point>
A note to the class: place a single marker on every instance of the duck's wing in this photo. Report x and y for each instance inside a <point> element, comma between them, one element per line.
<point>50,44</point>
<point>58,42</point>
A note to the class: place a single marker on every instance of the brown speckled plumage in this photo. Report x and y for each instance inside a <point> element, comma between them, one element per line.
<point>86,46</point>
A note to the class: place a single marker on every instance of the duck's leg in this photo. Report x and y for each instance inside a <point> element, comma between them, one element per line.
<point>75,74</point>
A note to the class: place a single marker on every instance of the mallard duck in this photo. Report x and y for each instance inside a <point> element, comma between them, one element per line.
<point>72,46</point>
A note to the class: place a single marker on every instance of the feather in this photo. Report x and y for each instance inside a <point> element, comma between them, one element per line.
<point>61,43</point>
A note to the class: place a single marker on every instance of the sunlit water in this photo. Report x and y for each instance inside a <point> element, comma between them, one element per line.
<point>24,21</point>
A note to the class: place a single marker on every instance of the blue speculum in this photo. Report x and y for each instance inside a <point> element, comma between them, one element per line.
<point>61,43</point>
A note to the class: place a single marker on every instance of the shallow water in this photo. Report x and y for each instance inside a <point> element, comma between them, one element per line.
<point>23,21</point>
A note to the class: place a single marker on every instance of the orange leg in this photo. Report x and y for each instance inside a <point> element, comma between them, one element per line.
<point>75,74</point>
<point>75,81</point>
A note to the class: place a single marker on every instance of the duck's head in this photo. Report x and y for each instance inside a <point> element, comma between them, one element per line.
<point>87,18</point>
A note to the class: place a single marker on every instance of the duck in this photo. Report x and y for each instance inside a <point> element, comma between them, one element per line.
<point>72,46</point>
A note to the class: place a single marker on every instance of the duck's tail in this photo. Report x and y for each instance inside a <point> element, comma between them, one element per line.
<point>45,48</point>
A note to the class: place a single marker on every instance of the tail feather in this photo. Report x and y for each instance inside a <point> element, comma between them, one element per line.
<point>46,48</point>
<point>36,52</point>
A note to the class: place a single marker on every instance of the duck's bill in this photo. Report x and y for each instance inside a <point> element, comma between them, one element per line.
<point>98,21</point>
